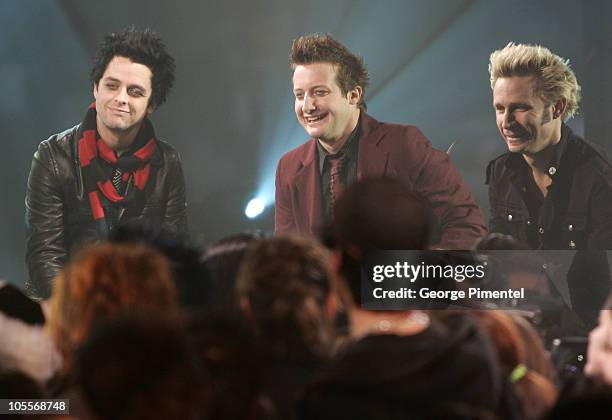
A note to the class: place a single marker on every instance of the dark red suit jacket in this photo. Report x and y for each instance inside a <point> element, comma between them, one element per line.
<point>398,151</point>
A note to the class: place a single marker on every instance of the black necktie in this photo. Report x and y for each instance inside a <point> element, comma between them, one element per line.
<point>336,183</point>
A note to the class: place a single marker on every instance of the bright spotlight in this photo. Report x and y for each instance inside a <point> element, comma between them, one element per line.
<point>254,208</point>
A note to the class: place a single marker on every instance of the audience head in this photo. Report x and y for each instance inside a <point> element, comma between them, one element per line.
<point>140,367</point>
<point>376,213</point>
<point>284,287</point>
<point>190,276</point>
<point>537,357</point>
<point>222,260</point>
<point>105,280</point>
<point>226,348</point>
<point>537,393</point>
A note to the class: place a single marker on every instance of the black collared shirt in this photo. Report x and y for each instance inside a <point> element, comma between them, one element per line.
<point>577,211</point>
<point>540,208</point>
<point>349,167</point>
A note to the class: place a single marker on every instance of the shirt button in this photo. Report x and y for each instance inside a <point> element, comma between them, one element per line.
<point>541,230</point>
<point>572,244</point>
<point>528,222</point>
<point>570,228</point>
<point>552,170</point>
<point>509,217</point>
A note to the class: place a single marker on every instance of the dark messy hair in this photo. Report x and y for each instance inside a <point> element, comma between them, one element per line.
<point>350,68</point>
<point>287,280</point>
<point>143,47</point>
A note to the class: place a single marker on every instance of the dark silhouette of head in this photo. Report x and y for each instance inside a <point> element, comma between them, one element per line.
<point>376,213</point>
<point>136,367</point>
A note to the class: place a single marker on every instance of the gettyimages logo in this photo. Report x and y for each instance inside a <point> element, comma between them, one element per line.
<point>412,272</point>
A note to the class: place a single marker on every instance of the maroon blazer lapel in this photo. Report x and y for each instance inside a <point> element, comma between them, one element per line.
<point>372,160</point>
<point>309,211</point>
<point>372,157</point>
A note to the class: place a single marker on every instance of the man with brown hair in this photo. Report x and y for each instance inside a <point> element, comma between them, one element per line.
<point>346,145</point>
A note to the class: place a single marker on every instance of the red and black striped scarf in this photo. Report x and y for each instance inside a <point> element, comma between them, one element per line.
<point>98,163</point>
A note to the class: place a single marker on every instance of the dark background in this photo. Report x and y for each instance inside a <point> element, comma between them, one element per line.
<point>231,112</point>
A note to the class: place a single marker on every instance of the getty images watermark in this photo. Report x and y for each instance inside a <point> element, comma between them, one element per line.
<point>419,279</point>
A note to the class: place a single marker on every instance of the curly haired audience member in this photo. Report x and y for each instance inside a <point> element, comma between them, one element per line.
<point>285,291</point>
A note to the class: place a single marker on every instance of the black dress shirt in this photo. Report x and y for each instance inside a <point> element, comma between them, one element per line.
<point>577,211</point>
<point>348,173</point>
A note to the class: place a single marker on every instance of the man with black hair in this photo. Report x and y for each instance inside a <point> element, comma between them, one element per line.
<point>109,168</point>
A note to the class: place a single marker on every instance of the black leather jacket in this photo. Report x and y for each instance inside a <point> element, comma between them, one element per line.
<point>577,212</point>
<point>58,215</point>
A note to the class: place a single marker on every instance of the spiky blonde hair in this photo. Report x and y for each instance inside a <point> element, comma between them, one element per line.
<point>553,76</point>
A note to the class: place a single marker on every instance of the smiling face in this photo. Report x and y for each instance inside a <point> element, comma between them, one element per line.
<point>320,106</point>
<point>122,101</point>
<point>527,124</point>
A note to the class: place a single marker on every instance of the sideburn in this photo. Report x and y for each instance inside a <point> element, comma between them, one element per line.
<point>547,116</point>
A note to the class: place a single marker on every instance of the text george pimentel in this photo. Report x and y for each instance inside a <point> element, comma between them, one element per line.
<point>426,293</point>
<point>459,273</point>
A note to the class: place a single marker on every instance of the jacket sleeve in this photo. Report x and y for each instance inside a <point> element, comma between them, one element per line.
<point>46,253</point>
<point>175,218</point>
<point>284,220</point>
<point>438,181</point>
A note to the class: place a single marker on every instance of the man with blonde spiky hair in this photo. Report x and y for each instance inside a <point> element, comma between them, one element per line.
<point>552,189</point>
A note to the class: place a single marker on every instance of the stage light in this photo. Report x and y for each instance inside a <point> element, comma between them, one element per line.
<point>254,208</point>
